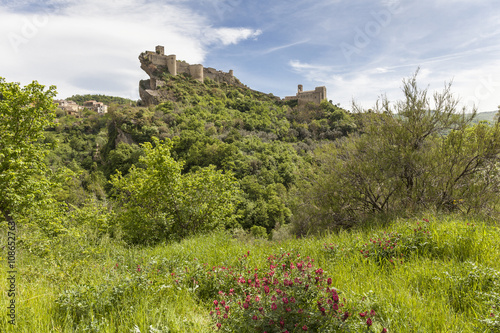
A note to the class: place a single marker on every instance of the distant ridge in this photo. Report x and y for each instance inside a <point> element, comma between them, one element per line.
<point>489,116</point>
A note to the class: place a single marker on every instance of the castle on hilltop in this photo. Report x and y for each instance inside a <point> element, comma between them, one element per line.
<point>157,63</point>
<point>315,96</point>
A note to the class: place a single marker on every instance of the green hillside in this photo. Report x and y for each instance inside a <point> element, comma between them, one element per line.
<point>226,209</point>
<point>258,138</point>
<point>486,116</point>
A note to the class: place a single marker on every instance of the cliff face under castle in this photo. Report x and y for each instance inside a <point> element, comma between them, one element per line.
<point>155,64</point>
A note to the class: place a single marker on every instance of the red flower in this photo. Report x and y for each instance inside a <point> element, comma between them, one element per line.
<point>274,306</point>
<point>369,322</point>
<point>384,330</point>
<point>219,325</point>
<point>216,303</point>
<point>255,317</point>
<point>362,314</point>
<point>372,312</point>
<point>285,300</point>
<point>329,281</point>
<point>304,328</point>
<point>246,305</point>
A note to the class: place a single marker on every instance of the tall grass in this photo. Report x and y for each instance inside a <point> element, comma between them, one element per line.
<point>445,279</point>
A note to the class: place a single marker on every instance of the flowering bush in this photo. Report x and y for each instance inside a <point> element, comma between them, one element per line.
<point>394,247</point>
<point>291,296</point>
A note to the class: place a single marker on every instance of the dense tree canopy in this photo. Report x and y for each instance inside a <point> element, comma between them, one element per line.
<point>24,114</point>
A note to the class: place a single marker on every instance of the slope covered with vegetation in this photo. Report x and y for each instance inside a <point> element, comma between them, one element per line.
<point>228,209</point>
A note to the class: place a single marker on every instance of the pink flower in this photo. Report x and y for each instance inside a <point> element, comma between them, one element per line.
<point>362,314</point>
<point>372,312</point>
<point>227,308</point>
<point>255,317</point>
<point>219,325</point>
<point>285,300</point>
<point>274,306</point>
<point>384,330</point>
<point>369,322</point>
<point>216,303</point>
<point>329,281</point>
<point>304,328</point>
<point>246,305</point>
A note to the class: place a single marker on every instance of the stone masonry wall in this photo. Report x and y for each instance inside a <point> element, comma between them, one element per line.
<point>314,96</point>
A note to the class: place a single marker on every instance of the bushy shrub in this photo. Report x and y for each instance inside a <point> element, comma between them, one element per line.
<point>292,296</point>
<point>159,202</point>
<point>411,156</point>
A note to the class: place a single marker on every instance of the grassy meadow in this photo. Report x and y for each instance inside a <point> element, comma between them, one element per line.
<point>439,276</point>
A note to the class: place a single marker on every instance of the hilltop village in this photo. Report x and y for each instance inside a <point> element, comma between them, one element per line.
<point>157,63</point>
<point>74,109</point>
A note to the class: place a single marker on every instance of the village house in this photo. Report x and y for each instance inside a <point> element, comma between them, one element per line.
<point>71,108</point>
<point>98,107</point>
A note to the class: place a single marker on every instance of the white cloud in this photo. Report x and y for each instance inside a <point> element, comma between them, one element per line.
<point>92,45</point>
<point>228,36</point>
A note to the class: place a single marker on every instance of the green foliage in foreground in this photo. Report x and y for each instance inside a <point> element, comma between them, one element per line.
<point>158,203</point>
<point>445,279</point>
<point>410,156</point>
<point>24,113</point>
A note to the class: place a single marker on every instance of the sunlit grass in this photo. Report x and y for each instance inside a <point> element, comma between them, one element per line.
<point>447,282</point>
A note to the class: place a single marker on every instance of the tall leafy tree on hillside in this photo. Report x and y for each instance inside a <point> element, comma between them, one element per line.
<point>420,153</point>
<point>24,113</point>
<point>158,202</point>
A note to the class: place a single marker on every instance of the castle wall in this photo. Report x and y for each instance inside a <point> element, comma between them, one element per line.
<point>196,72</point>
<point>168,61</point>
<point>314,96</point>
<point>219,76</point>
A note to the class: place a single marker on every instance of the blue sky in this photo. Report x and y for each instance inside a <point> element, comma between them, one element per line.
<point>359,50</point>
